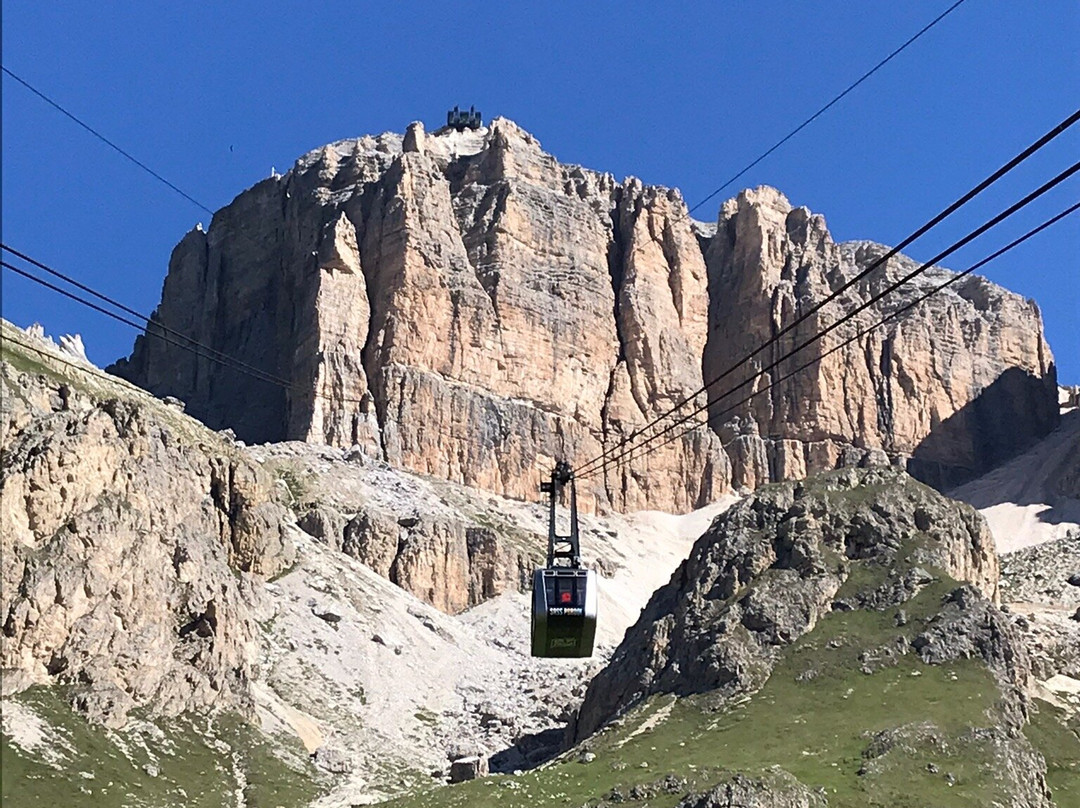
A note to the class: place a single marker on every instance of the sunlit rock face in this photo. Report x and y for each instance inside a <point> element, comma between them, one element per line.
<point>462,304</point>
<point>133,542</point>
<point>951,387</point>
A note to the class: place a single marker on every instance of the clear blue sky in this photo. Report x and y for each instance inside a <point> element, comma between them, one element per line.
<point>213,94</point>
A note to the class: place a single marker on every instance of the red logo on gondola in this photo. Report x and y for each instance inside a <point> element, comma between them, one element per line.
<point>564,597</point>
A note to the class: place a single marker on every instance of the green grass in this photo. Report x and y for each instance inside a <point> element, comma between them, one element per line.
<point>22,361</point>
<point>298,481</point>
<point>1057,736</point>
<point>25,360</point>
<point>820,729</point>
<point>188,762</point>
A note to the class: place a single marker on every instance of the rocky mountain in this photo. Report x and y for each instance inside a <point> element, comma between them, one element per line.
<point>130,542</point>
<point>813,636</point>
<point>830,642</point>
<point>336,615</point>
<point>301,607</point>
<point>294,624</point>
<point>954,387</point>
<point>463,305</point>
<point>774,565</point>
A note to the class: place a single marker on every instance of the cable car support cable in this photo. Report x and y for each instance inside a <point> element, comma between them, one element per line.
<point>933,222</point>
<point>632,454</point>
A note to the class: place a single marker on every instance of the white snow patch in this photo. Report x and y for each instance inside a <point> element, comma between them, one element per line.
<point>1020,500</point>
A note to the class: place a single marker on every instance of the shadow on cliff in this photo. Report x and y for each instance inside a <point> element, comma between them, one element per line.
<point>1046,476</point>
<point>529,751</point>
<point>1016,411</point>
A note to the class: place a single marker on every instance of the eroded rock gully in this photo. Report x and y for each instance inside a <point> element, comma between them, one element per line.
<point>463,305</point>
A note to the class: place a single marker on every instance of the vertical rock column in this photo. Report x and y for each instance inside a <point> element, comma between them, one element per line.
<point>661,316</point>
<point>950,388</point>
<point>332,403</point>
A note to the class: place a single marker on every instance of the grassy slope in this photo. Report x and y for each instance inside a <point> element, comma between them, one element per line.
<point>1057,737</point>
<point>819,729</point>
<point>184,762</point>
<point>99,386</point>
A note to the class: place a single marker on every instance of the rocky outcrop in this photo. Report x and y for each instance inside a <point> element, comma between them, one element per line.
<point>444,562</point>
<point>1042,586</point>
<point>130,533</point>
<point>1069,396</point>
<point>773,565</point>
<point>1045,573</point>
<point>776,789</point>
<point>957,385</point>
<point>799,597</point>
<point>463,305</point>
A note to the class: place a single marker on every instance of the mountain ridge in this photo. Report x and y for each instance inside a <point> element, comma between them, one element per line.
<point>464,305</point>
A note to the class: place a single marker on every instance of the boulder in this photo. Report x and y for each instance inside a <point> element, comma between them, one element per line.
<point>468,768</point>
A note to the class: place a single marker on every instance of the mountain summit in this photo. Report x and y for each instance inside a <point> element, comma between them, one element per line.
<point>462,304</point>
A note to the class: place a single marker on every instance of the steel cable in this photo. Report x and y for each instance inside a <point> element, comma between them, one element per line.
<point>632,453</point>
<point>933,222</point>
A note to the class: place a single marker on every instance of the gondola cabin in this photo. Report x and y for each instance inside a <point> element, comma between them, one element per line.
<point>564,592</point>
<point>564,612</point>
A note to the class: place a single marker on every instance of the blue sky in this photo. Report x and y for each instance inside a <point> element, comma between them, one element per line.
<point>213,95</point>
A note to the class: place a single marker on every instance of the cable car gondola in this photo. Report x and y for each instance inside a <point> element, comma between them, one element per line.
<point>564,592</point>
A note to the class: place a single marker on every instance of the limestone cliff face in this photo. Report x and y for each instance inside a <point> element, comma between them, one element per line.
<point>448,563</point>
<point>128,534</point>
<point>956,385</point>
<point>464,305</point>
